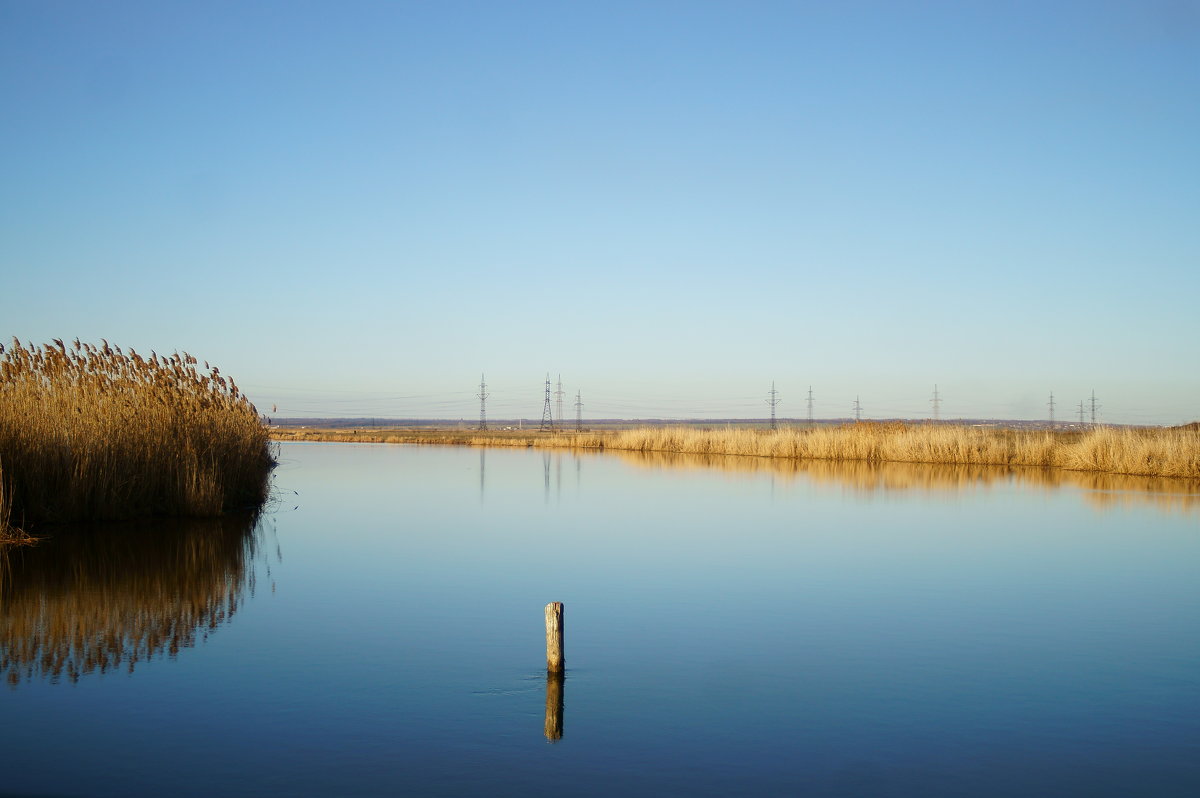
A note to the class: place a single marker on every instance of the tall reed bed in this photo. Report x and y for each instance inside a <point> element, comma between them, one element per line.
<point>7,532</point>
<point>95,433</point>
<point>1158,452</point>
<point>1114,450</point>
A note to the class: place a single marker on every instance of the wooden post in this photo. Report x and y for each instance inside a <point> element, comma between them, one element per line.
<point>554,707</point>
<point>555,662</point>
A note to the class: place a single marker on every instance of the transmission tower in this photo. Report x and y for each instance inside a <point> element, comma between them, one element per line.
<point>1050,404</point>
<point>558,399</point>
<point>483,395</point>
<point>810,415</point>
<point>1094,406</point>
<point>773,400</point>
<point>1080,411</point>
<point>936,401</point>
<point>547,419</point>
<point>857,410</point>
<point>578,412</point>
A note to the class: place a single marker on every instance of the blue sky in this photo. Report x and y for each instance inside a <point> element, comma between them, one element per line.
<point>356,209</point>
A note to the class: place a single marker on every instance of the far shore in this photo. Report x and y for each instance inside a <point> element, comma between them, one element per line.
<point>1157,452</point>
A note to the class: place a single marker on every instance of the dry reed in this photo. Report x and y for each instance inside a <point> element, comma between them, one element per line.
<point>94,433</point>
<point>1142,452</point>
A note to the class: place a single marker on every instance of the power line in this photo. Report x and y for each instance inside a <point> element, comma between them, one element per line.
<point>1080,411</point>
<point>1094,406</point>
<point>937,403</point>
<point>857,410</point>
<point>810,405</point>
<point>1050,404</point>
<point>482,395</point>
<point>558,399</point>
<point>578,412</point>
<point>547,418</point>
<point>772,401</point>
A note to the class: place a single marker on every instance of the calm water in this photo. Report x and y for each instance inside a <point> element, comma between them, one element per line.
<point>730,629</point>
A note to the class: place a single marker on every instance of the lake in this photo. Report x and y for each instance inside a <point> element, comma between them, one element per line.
<point>733,626</point>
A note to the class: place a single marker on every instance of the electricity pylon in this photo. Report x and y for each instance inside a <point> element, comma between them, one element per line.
<point>483,395</point>
<point>547,418</point>
<point>558,399</point>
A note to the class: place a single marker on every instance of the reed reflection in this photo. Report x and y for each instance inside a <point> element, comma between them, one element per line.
<point>94,600</point>
<point>555,683</point>
<point>1102,491</point>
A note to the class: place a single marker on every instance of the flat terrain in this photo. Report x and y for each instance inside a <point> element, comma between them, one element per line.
<point>1156,452</point>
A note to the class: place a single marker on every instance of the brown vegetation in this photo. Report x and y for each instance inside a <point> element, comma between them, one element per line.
<point>1168,453</point>
<point>93,433</point>
<point>1143,452</point>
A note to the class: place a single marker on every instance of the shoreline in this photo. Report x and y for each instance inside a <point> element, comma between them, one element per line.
<point>1172,452</point>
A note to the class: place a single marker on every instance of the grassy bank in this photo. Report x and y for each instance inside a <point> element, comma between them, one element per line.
<point>92,433</point>
<point>1143,452</point>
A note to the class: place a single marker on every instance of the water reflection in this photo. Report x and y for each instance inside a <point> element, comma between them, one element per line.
<point>1102,491</point>
<point>553,729</point>
<point>92,600</point>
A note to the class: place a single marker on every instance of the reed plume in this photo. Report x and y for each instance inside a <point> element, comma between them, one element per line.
<point>92,433</point>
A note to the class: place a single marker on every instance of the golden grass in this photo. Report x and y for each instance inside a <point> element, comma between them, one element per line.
<point>5,512</point>
<point>1142,452</point>
<point>93,433</point>
<point>1157,452</point>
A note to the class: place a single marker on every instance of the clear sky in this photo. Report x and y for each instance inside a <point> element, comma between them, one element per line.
<point>355,209</point>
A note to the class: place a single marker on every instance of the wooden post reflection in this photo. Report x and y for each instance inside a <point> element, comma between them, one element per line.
<point>554,706</point>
